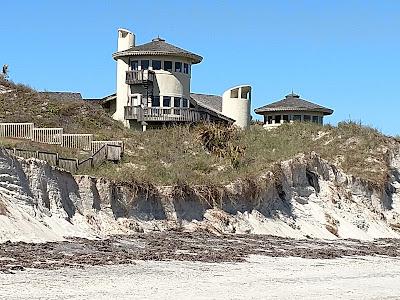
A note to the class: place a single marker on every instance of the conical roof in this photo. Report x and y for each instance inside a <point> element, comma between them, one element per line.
<point>293,102</point>
<point>159,46</point>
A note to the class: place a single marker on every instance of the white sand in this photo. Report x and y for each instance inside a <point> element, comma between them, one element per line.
<point>259,278</point>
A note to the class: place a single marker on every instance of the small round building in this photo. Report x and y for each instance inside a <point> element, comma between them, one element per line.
<point>292,109</point>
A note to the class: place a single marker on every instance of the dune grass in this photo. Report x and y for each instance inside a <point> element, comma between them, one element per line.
<point>214,155</point>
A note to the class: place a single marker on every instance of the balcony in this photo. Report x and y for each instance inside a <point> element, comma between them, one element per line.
<point>140,77</point>
<point>164,114</point>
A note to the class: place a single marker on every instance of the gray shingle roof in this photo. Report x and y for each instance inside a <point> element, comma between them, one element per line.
<point>209,101</point>
<point>63,96</point>
<point>158,46</point>
<point>292,102</point>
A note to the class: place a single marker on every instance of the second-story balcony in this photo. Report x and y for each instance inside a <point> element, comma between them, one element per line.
<point>140,77</point>
<point>164,114</point>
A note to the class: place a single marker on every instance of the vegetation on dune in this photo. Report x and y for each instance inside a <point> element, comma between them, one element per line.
<point>206,154</point>
<point>210,154</point>
<point>24,104</point>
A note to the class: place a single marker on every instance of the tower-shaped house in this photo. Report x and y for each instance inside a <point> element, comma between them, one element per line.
<point>153,88</point>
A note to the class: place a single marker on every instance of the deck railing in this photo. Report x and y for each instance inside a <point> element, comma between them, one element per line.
<point>139,76</point>
<point>164,114</point>
<point>56,136</point>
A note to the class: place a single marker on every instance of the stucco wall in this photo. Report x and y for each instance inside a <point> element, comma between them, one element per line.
<point>237,108</point>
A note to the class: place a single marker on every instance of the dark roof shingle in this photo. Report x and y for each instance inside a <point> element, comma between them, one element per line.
<point>63,96</point>
<point>292,102</point>
<point>158,46</point>
<point>210,101</point>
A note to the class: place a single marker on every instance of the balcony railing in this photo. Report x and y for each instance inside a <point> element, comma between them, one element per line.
<point>139,77</point>
<point>164,114</point>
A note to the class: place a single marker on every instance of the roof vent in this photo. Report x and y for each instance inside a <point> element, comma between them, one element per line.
<point>292,95</point>
<point>158,39</point>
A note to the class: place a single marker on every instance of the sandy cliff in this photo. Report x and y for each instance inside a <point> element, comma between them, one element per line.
<point>303,197</point>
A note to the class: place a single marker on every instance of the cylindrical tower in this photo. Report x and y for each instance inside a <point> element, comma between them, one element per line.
<point>236,103</point>
<point>152,77</point>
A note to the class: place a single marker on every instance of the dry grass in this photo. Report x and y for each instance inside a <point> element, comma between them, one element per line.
<point>3,208</point>
<point>24,104</point>
<point>203,155</point>
<point>34,146</point>
<point>206,154</point>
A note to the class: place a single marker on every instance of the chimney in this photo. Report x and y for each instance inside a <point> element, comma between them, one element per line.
<point>126,39</point>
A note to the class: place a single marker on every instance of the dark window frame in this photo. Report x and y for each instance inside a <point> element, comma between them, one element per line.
<point>136,63</point>
<point>166,98</point>
<point>168,69</point>
<point>156,61</point>
<point>178,66</point>
<point>155,100</point>
<point>148,64</point>
<point>177,100</point>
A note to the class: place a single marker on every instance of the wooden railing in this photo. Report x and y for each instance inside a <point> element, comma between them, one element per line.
<point>164,114</point>
<point>56,136</point>
<point>139,77</point>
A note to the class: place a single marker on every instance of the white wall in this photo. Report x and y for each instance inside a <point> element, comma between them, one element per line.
<point>238,108</point>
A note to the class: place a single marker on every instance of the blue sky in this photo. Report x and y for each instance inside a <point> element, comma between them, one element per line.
<point>342,54</point>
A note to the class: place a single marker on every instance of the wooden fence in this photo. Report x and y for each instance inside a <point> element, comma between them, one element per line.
<point>78,141</point>
<point>70,164</point>
<point>48,135</point>
<point>17,130</point>
<point>56,136</point>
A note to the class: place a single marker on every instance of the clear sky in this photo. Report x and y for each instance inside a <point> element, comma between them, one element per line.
<point>342,54</point>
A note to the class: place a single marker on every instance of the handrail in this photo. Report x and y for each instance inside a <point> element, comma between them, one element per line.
<point>139,76</point>
<point>177,114</point>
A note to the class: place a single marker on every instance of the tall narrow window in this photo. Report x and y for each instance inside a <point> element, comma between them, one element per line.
<point>155,101</point>
<point>156,64</point>
<point>186,68</point>
<point>168,65</point>
<point>144,64</point>
<point>178,66</point>
<point>177,102</point>
<point>285,118</point>
<point>134,65</point>
<point>185,102</point>
<point>166,101</point>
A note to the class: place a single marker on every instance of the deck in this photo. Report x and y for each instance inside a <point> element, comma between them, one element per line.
<point>164,114</point>
<point>140,77</point>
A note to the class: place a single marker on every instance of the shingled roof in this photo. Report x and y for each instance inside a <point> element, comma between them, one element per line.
<point>63,96</point>
<point>158,46</point>
<point>210,101</point>
<point>292,102</point>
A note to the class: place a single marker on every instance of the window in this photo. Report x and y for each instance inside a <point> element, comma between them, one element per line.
<point>156,64</point>
<point>277,119</point>
<point>285,118</point>
<point>269,118</point>
<point>186,68</point>
<point>155,101</point>
<point>315,119</point>
<point>166,101</point>
<point>178,66</point>
<point>134,65</point>
<point>168,65</point>
<point>177,102</point>
<point>184,102</point>
<point>296,117</point>
<point>235,93</point>
<point>145,64</point>
<point>307,118</point>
